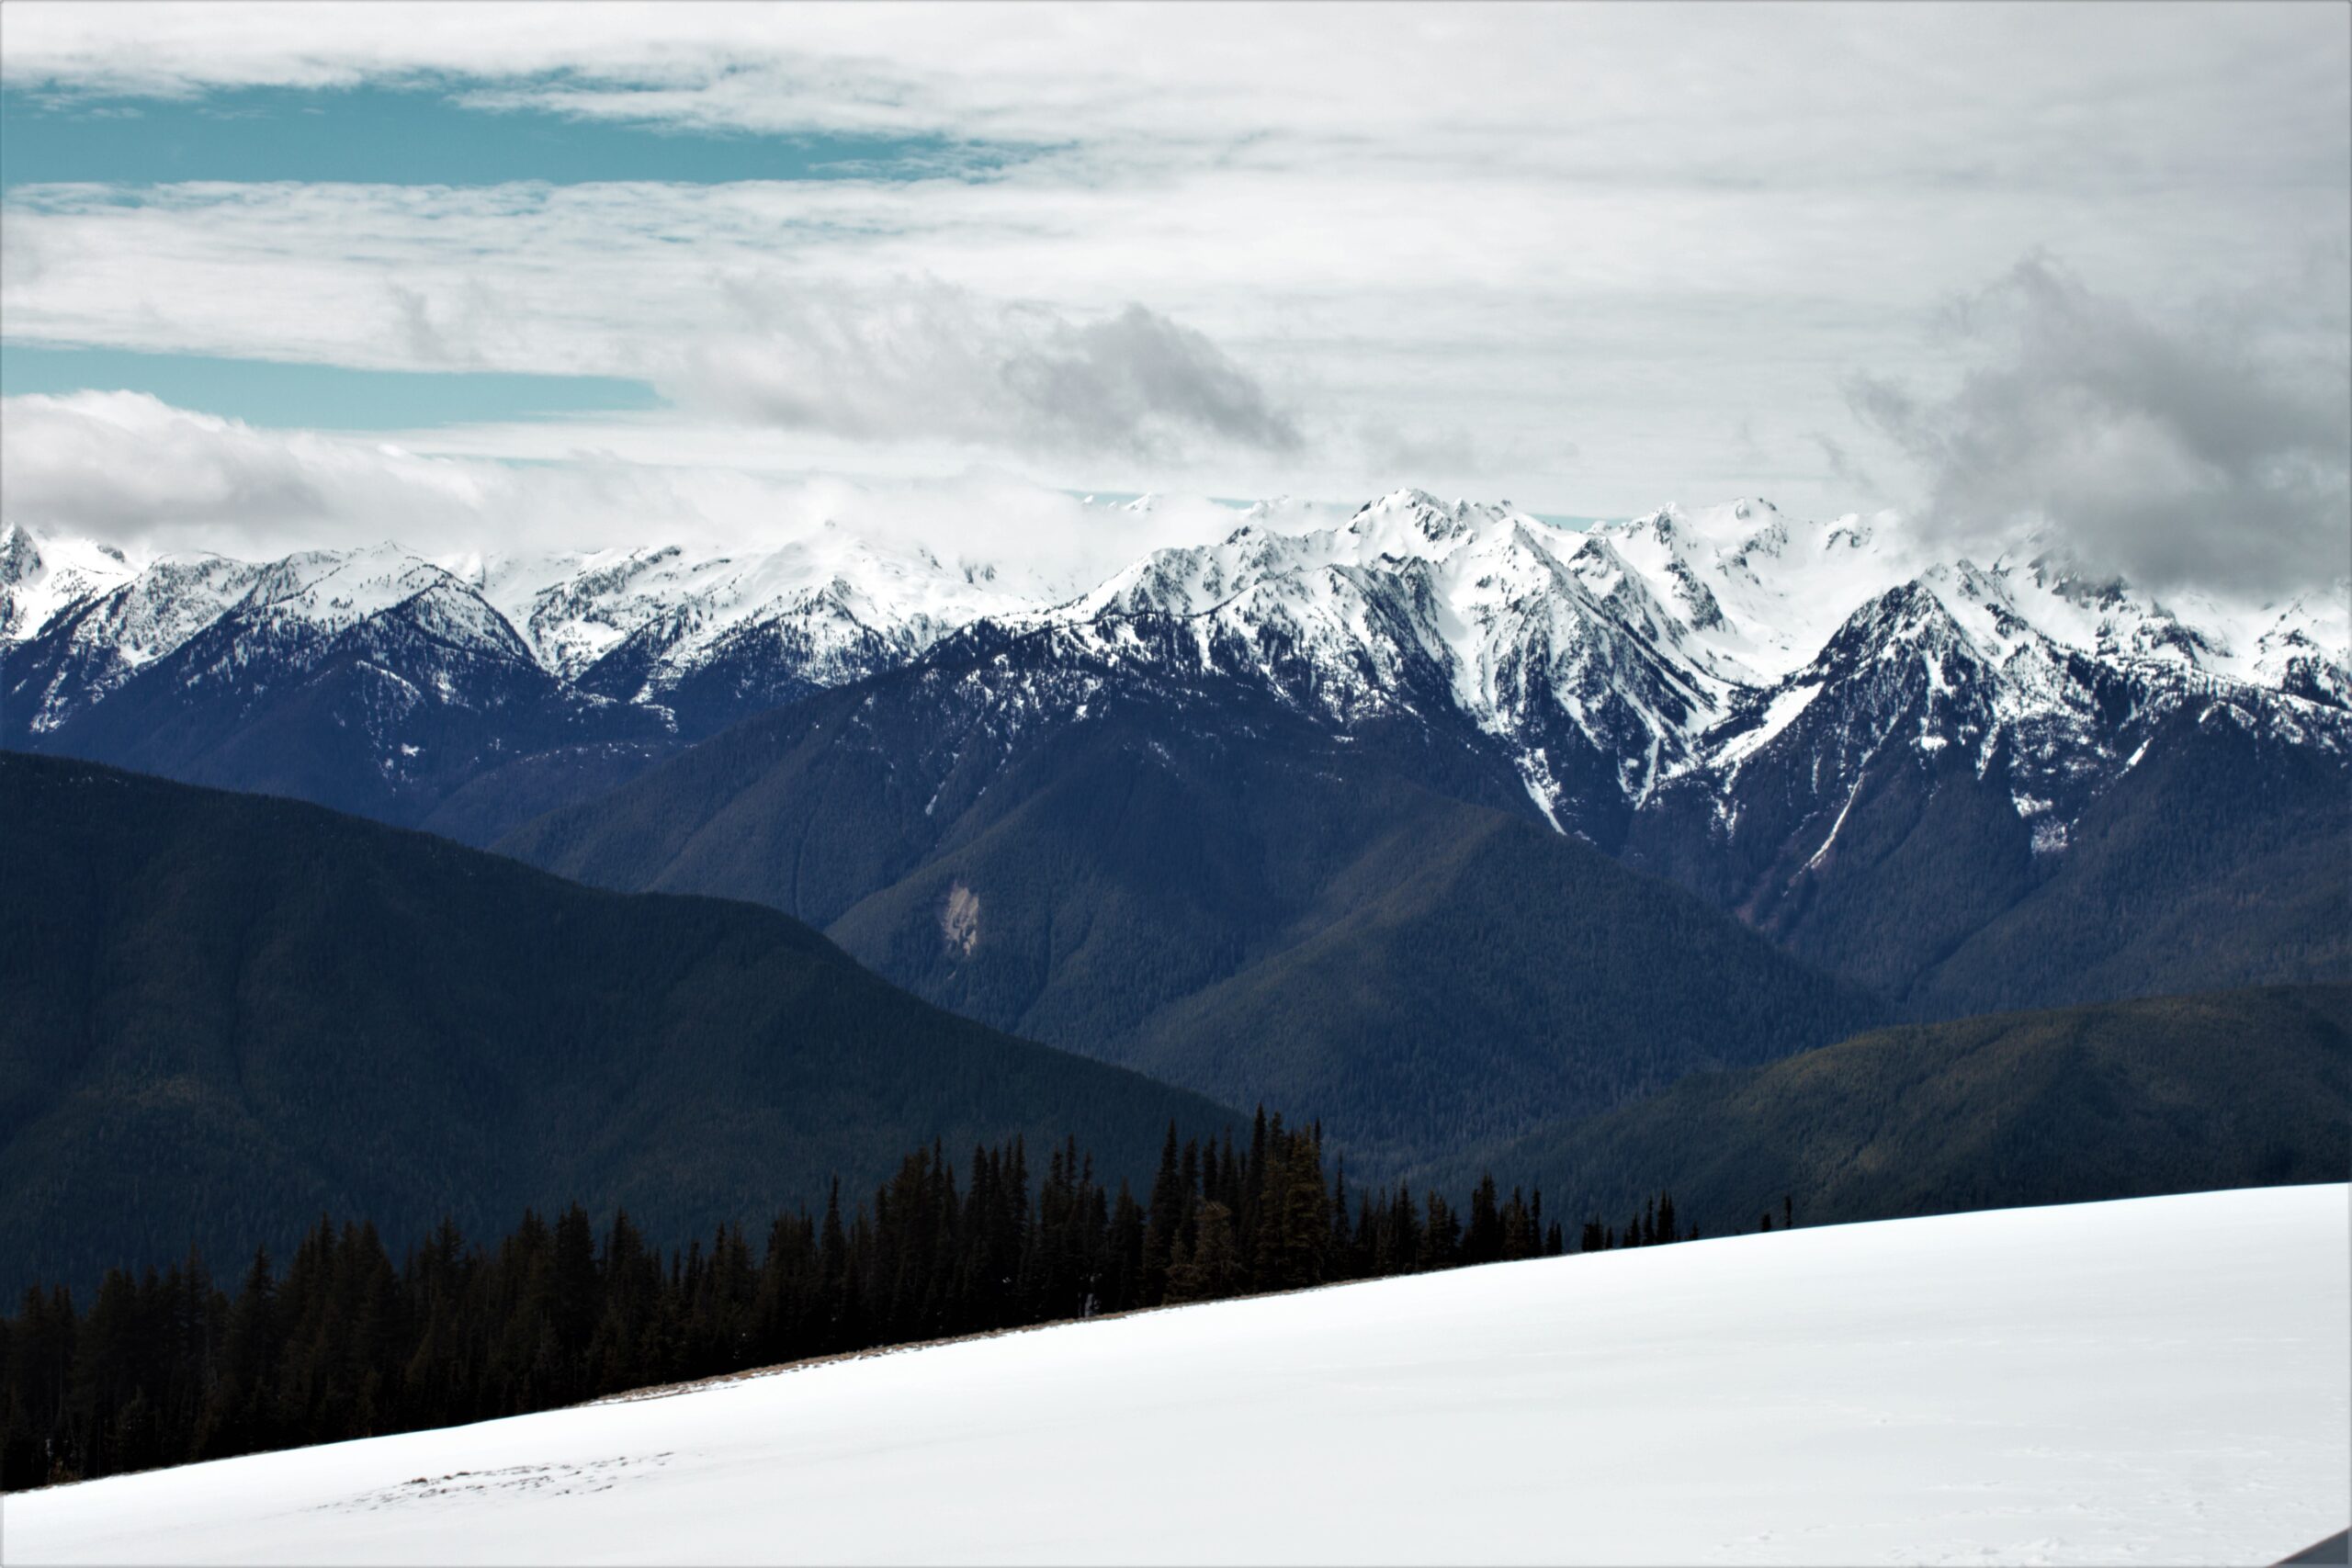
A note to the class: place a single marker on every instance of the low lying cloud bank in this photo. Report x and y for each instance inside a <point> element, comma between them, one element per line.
<point>131,470</point>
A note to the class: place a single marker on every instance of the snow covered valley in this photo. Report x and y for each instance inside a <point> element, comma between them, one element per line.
<point>2161,1380</point>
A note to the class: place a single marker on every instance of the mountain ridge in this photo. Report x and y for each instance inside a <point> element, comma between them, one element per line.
<point>220,1013</point>
<point>2127,1099</point>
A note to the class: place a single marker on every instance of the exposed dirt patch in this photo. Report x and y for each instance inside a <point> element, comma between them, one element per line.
<point>959,920</point>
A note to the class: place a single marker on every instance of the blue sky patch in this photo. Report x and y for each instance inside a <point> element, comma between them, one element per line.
<point>420,135</point>
<point>284,395</point>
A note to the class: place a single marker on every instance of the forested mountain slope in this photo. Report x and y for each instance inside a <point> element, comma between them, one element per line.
<point>2164,1094</point>
<point>221,1014</point>
<point>1137,855</point>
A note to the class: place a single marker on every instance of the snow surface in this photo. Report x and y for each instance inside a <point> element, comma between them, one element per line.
<point>2159,1380</point>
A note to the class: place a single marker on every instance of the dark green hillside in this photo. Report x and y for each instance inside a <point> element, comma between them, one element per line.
<point>1471,972</point>
<point>1197,881</point>
<point>2167,1094</point>
<point>221,1014</point>
<point>2220,860</point>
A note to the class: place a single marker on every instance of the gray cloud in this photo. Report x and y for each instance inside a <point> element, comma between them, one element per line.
<point>2216,450</point>
<point>422,338</point>
<point>112,464</point>
<point>938,363</point>
<point>1116,384</point>
<point>1850,476</point>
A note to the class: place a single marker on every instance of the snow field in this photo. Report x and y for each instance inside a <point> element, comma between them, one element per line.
<point>2160,1381</point>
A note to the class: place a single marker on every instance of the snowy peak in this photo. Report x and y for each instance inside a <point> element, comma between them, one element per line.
<point>671,609</point>
<point>2110,618</point>
<point>1990,669</point>
<point>20,558</point>
<point>2302,649</point>
<point>1541,637</point>
<point>40,577</point>
<point>87,648</point>
<point>1902,658</point>
<point>1910,617</point>
<point>1415,524</point>
<point>1195,580</point>
<point>331,591</point>
<point>1758,590</point>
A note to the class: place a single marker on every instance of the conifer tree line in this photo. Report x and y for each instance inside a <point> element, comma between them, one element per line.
<point>343,1342</point>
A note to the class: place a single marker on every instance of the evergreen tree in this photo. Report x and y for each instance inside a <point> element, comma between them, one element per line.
<point>1483,1242</point>
<point>1167,1215</point>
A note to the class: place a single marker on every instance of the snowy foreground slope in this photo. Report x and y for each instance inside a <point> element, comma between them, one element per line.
<point>2158,1381</point>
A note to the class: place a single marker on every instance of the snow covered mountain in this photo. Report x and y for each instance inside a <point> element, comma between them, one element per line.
<point>1610,662</point>
<point>708,637</point>
<point>422,677</point>
<point>635,626</point>
<point>1542,640</point>
<point>39,579</point>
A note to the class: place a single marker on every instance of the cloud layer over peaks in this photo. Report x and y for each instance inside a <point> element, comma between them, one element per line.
<point>2216,450</point>
<point>133,471</point>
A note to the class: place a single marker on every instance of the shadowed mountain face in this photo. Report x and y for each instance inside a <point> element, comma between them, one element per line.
<point>1120,845</point>
<point>221,1015</point>
<point>383,687</point>
<point>2165,1094</point>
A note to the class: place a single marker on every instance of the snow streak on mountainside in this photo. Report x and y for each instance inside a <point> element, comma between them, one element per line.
<point>1628,669</point>
<point>2161,1380</point>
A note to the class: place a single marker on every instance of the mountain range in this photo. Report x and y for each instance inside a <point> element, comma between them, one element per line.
<point>1367,813</point>
<point>1629,674</point>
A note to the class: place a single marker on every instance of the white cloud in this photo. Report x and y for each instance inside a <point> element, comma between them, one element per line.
<point>131,470</point>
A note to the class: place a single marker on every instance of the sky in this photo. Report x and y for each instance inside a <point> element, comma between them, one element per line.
<point>2080,266</point>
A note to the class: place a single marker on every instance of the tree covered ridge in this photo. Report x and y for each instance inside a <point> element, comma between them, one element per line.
<point>169,1368</point>
<point>221,1015</point>
<point>2074,1105</point>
